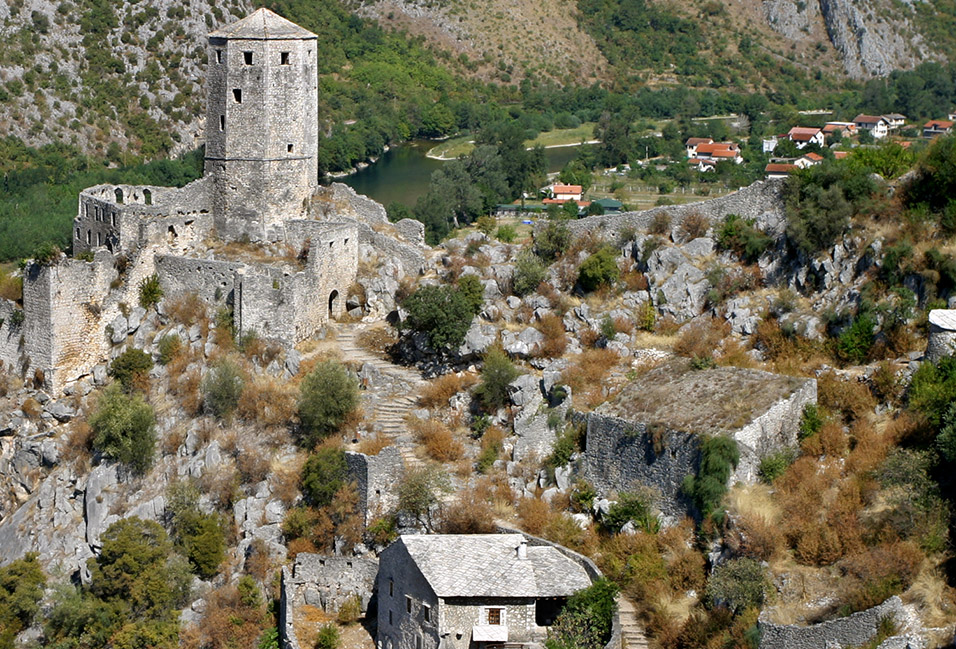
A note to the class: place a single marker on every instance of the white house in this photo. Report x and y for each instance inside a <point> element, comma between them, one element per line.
<point>875,124</point>
<point>803,136</point>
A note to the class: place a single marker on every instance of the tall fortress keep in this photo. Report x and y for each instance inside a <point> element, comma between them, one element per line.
<point>244,238</point>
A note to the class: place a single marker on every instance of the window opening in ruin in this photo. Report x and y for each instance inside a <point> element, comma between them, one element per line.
<point>247,57</point>
<point>331,243</point>
<point>391,588</point>
<point>148,196</point>
<point>546,610</point>
<point>87,206</point>
<point>333,301</point>
<point>119,195</point>
<point>237,95</point>
<point>494,616</point>
<point>113,219</point>
<point>427,612</point>
<point>89,236</point>
<point>418,642</point>
<point>218,56</point>
<point>408,604</point>
<point>346,242</point>
<point>77,233</point>
<point>289,148</point>
<point>99,239</point>
<point>283,58</point>
<point>222,122</point>
<point>390,617</point>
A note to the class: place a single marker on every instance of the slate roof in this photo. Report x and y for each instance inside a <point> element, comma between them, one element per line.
<point>263,24</point>
<point>943,318</point>
<point>487,565</point>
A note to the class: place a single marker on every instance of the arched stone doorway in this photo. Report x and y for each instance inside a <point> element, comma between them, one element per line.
<point>333,303</point>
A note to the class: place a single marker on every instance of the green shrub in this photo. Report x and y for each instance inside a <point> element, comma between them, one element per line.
<point>169,347</point>
<point>811,421</point>
<point>743,238</point>
<point>17,318</point>
<point>586,620</point>
<point>131,368</point>
<point>718,458</point>
<point>551,241</point>
<point>933,389</point>
<point>222,387</point>
<point>775,465</point>
<point>327,396</point>
<point>323,475</point>
<point>21,588</point>
<point>474,293</point>
<point>737,585</point>
<point>150,292</point>
<point>646,316</point>
<point>420,490</point>
<point>350,610</point>
<point>630,507</point>
<point>856,341</point>
<point>328,637</point>
<point>506,233</point>
<point>528,274</point>
<point>441,312</point>
<point>496,374</point>
<point>600,269</point>
<point>123,428</point>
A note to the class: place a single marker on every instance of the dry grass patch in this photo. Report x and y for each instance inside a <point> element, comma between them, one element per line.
<point>268,402</point>
<point>377,340</point>
<point>555,342</point>
<point>436,439</point>
<point>439,391</point>
<point>588,371</point>
<point>935,600</point>
<point>373,445</point>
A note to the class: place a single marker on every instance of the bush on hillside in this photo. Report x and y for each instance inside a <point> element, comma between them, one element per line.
<point>123,428</point>
<point>496,374</point>
<point>443,313</point>
<point>737,585</point>
<point>222,388</point>
<point>131,369</point>
<point>327,396</point>
<point>528,274</point>
<point>600,269</point>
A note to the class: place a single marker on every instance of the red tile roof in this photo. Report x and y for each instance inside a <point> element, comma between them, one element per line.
<point>724,153</point>
<point>839,155</point>
<point>867,119</point>
<point>709,149</point>
<point>567,189</point>
<point>816,157</point>
<point>802,134</point>
<point>938,124</point>
<point>694,141</point>
<point>774,167</point>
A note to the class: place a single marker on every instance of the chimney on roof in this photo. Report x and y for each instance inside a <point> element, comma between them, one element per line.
<point>522,549</point>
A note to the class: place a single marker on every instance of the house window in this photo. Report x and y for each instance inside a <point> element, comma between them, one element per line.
<point>237,95</point>
<point>427,612</point>
<point>391,588</point>
<point>283,58</point>
<point>408,604</point>
<point>218,56</point>
<point>222,122</point>
<point>247,57</point>
<point>494,616</point>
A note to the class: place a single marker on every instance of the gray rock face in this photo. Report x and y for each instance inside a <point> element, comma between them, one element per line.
<point>869,44</point>
<point>677,286</point>
<point>100,494</point>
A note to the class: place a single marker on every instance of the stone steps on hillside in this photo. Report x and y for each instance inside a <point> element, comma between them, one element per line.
<point>632,631</point>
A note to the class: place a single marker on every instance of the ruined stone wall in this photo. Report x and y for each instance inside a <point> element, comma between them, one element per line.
<point>212,280</point>
<point>375,477</point>
<point>10,338</point>
<point>760,201</point>
<point>114,215</point>
<point>851,631</point>
<point>261,133</point>
<point>328,582</point>
<point>620,455</point>
<point>771,432</point>
<point>398,578</point>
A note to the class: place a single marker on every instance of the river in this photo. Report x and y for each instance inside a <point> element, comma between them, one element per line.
<point>402,173</point>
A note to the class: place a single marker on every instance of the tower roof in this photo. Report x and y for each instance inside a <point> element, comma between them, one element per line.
<point>262,25</point>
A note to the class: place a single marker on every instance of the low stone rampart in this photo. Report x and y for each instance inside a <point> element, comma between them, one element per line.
<point>851,631</point>
<point>375,477</point>
<point>760,201</point>
<point>212,280</point>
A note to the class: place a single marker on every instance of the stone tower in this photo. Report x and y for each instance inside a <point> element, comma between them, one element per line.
<point>261,125</point>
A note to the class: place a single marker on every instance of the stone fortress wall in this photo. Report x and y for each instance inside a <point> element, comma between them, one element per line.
<point>261,174</point>
<point>375,477</point>
<point>852,631</point>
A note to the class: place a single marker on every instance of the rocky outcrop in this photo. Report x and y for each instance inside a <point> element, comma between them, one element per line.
<point>869,44</point>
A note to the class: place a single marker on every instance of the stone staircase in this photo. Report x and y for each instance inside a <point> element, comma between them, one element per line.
<point>632,633</point>
<point>393,405</point>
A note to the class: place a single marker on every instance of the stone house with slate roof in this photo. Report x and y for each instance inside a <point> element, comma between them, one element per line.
<point>471,591</point>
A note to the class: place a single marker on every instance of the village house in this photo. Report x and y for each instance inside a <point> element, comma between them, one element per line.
<point>702,165</point>
<point>875,124</point>
<point>845,129</point>
<point>779,169</point>
<point>717,151</point>
<point>894,120</point>
<point>803,136</point>
<point>808,160</point>
<point>936,127</point>
<point>456,591</point>
<point>566,193</point>
<point>692,143</point>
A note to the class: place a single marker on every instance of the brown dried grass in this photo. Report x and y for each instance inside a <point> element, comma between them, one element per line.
<point>437,440</point>
<point>439,391</point>
<point>555,342</point>
<point>373,445</point>
<point>589,369</point>
<point>268,402</point>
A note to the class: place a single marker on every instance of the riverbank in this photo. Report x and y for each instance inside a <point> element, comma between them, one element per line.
<point>454,148</point>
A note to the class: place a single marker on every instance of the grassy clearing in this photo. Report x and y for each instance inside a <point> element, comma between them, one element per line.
<point>639,195</point>
<point>465,144</point>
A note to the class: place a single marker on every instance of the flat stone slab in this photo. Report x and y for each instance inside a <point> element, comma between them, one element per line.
<point>943,318</point>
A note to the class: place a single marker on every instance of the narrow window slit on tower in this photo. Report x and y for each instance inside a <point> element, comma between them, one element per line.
<point>247,57</point>
<point>222,122</point>
<point>283,58</point>
<point>237,95</point>
<point>218,56</point>
<point>289,148</point>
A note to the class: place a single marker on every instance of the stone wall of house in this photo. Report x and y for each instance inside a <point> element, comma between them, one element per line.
<point>328,582</point>
<point>261,132</point>
<point>460,614</point>
<point>375,477</point>
<point>621,454</point>
<point>400,585</point>
<point>851,631</point>
<point>760,201</point>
